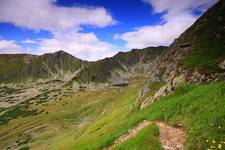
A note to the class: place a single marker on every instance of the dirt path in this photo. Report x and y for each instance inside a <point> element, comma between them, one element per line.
<point>171,138</point>
<point>130,134</point>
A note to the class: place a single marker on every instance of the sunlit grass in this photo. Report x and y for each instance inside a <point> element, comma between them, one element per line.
<point>93,120</point>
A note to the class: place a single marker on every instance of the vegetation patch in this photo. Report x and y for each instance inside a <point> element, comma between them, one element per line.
<point>94,120</point>
<point>146,139</point>
<point>195,107</point>
<point>209,45</point>
<point>15,112</point>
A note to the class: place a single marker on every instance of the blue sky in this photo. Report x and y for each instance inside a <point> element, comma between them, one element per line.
<point>93,29</point>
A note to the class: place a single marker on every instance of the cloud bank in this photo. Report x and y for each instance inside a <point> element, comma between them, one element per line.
<point>85,45</point>
<point>9,47</point>
<point>65,24</point>
<point>46,15</point>
<point>177,17</point>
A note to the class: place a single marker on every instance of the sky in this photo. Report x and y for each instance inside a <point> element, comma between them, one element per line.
<point>94,29</point>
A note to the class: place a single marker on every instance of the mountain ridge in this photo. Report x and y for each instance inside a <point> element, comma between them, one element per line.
<point>55,65</point>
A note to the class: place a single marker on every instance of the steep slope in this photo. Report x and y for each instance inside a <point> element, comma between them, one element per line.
<point>199,52</point>
<point>121,66</point>
<point>208,38</point>
<point>197,56</point>
<point>21,67</point>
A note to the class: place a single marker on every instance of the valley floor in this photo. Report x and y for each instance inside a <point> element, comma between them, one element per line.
<point>96,119</point>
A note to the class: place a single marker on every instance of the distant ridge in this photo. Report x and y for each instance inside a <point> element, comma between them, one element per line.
<point>23,67</point>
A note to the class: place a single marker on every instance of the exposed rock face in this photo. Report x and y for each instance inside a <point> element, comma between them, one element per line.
<point>166,89</point>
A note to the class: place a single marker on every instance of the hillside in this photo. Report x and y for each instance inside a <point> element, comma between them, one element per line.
<point>121,66</point>
<point>199,52</point>
<point>61,65</point>
<point>22,67</point>
<point>174,97</point>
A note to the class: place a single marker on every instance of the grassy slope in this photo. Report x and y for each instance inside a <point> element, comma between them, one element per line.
<point>209,45</point>
<point>67,118</point>
<point>199,108</point>
<point>93,120</point>
<point>21,67</point>
<point>100,71</point>
<point>9,63</point>
<point>35,67</point>
<point>146,139</point>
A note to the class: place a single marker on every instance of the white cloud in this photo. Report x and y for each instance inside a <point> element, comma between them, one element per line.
<point>9,47</point>
<point>28,41</point>
<point>44,14</point>
<point>82,45</point>
<point>178,16</point>
<point>63,22</point>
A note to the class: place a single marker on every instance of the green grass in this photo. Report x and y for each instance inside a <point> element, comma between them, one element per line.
<point>68,119</point>
<point>15,112</point>
<point>199,108</point>
<point>146,139</point>
<point>94,120</point>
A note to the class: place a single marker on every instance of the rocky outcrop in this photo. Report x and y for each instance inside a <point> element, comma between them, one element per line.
<point>222,65</point>
<point>164,90</point>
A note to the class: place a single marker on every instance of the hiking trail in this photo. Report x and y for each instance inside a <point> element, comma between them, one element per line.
<point>171,138</point>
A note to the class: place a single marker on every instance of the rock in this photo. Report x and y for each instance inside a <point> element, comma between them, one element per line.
<point>222,65</point>
<point>164,90</point>
<point>179,80</point>
<point>143,91</point>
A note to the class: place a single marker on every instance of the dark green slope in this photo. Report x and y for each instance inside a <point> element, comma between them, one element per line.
<point>100,71</point>
<point>21,67</point>
<point>208,38</point>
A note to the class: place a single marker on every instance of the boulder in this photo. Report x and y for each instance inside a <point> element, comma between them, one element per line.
<point>222,65</point>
